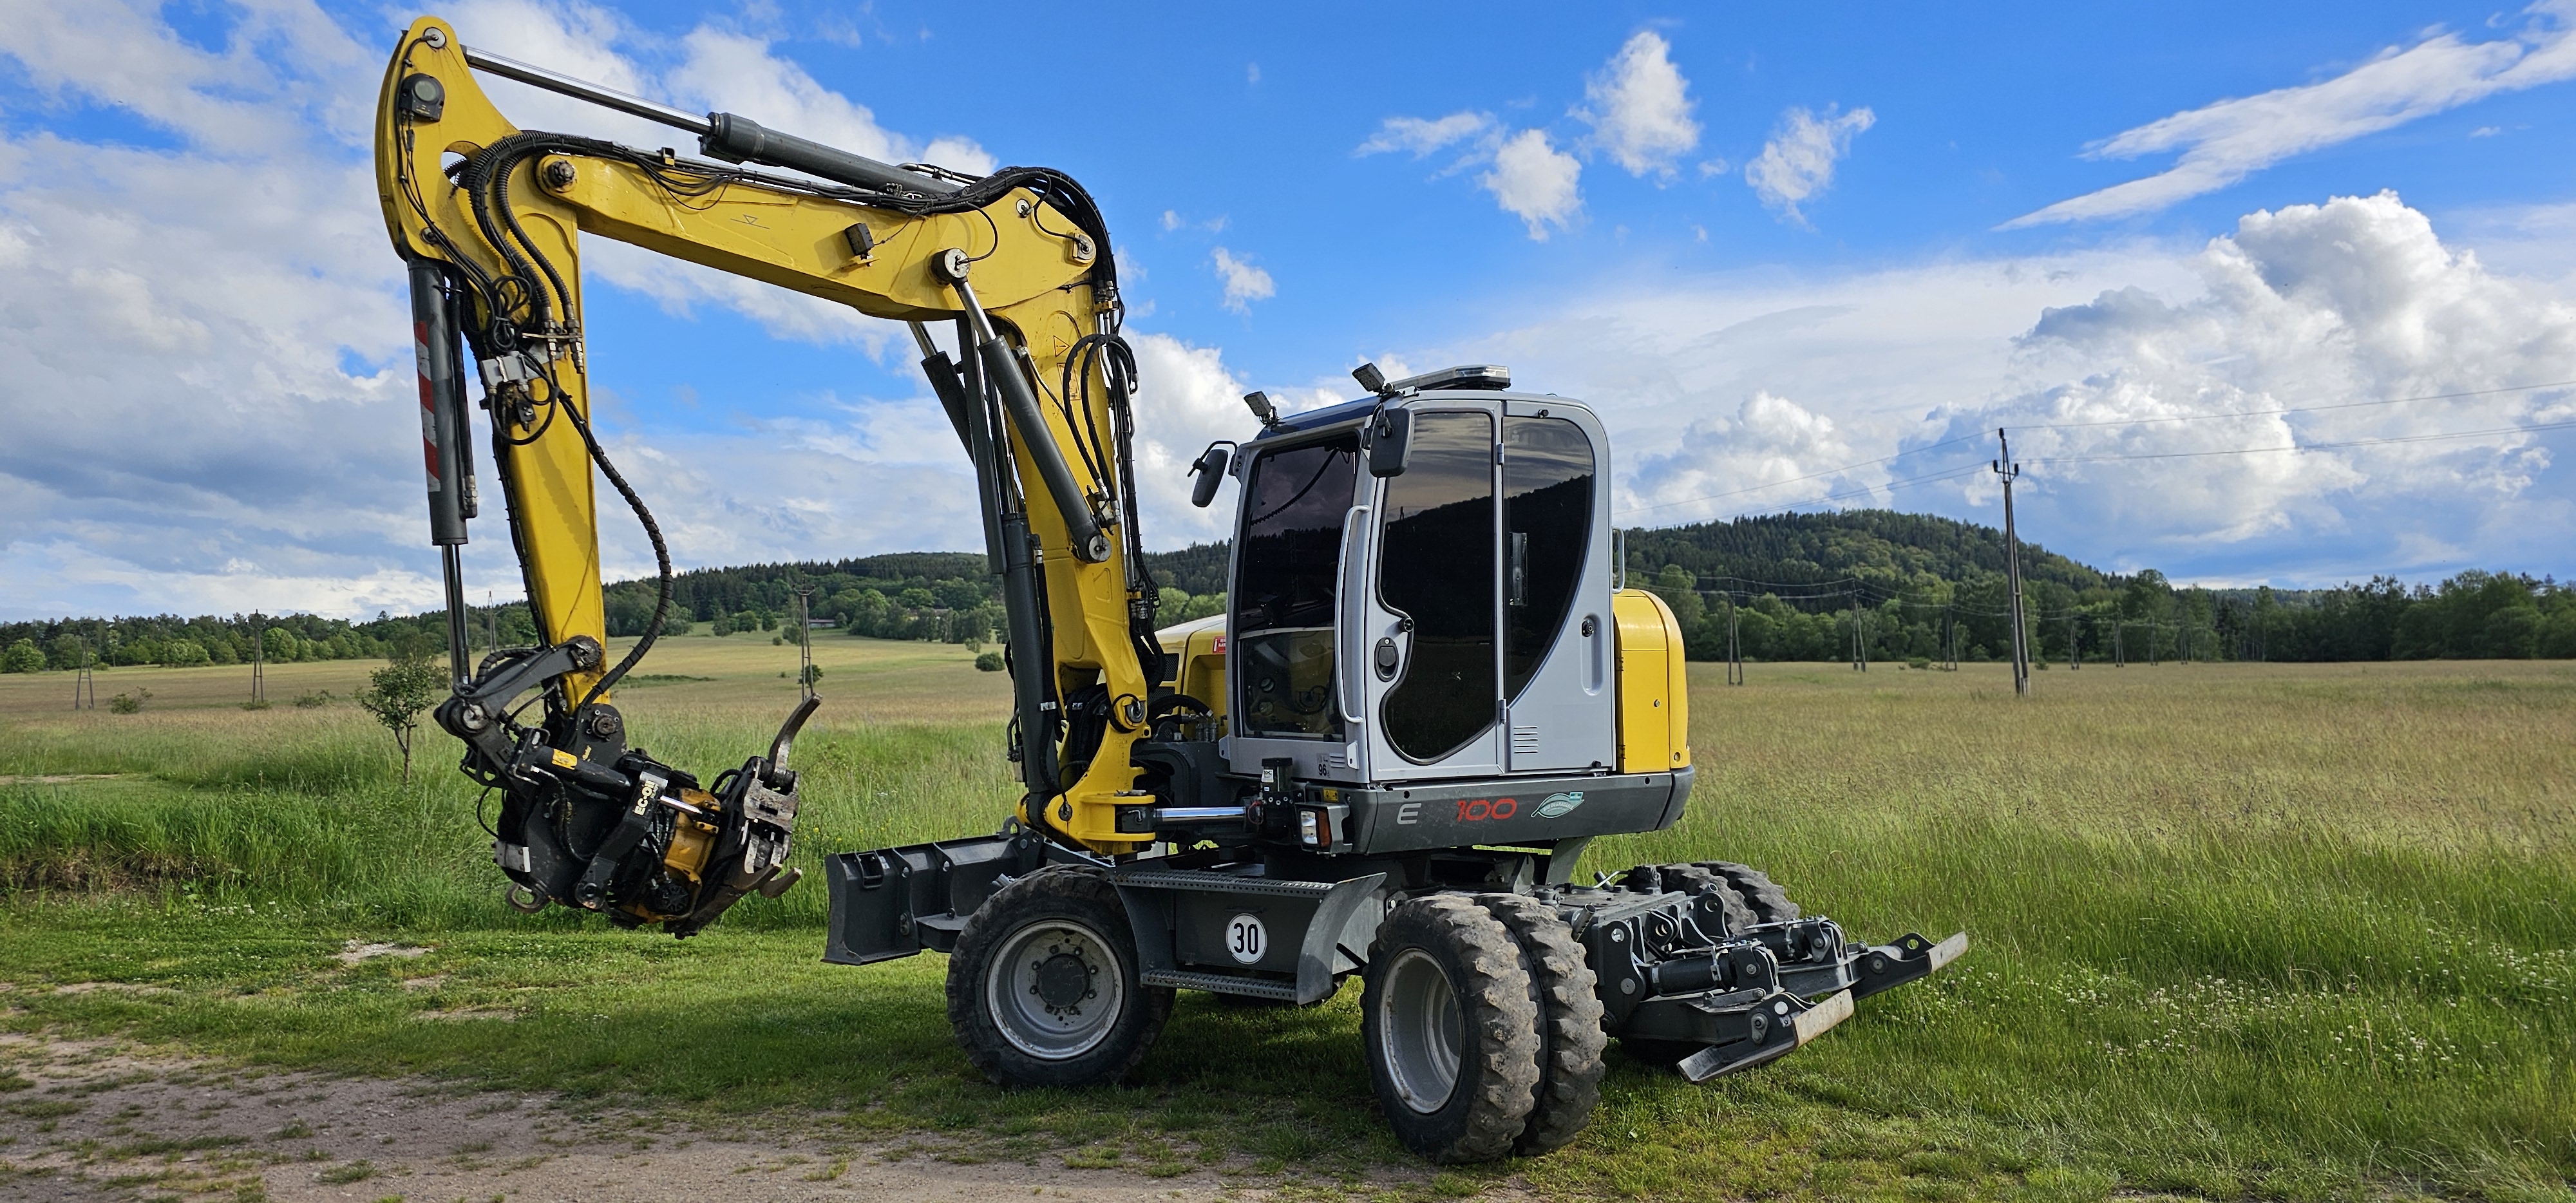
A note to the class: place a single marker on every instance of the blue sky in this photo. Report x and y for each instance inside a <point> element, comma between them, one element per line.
<point>1789,253</point>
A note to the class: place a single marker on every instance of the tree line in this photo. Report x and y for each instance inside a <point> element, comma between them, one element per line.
<point>1907,587</point>
<point>1917,588</point>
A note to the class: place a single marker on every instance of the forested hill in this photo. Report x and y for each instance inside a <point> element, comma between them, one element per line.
<point>1783,549</point>
<point>1748,554</point>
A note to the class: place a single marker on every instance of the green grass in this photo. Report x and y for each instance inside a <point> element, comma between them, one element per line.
<point>2241,932</point>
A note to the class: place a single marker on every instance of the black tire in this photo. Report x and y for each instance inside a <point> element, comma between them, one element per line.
<point>1569,1028</point>
<point>1764,897</point>
<point>1065,936</point>
<point>1694,880</point>
<point>1446,982</point>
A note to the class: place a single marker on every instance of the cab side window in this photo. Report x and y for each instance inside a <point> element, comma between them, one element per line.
<point>1547,528</point>
<point>1436,567</point>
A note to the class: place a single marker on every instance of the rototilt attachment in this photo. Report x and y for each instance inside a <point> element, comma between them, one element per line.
<point>588,822</point>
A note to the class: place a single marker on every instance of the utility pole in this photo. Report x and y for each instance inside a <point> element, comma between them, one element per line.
<point>84,686</point>
<point>2010,471</point>
<point>2119,651</point>
<point>1734,645</point>
<point>1860,655</point>
<point>258,660</point>
<point>804,641</point>
<point>2073,661</point>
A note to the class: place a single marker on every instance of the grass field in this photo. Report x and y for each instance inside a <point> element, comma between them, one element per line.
<point>2241,930</point>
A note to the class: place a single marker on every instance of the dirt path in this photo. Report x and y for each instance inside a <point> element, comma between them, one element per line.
<point>87,1120</point>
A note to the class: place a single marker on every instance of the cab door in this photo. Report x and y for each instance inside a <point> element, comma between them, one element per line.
<point>1559,640</point>
<point>1431,655</point>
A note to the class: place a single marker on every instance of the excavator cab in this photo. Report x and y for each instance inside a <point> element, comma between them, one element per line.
<point>1442,615</point>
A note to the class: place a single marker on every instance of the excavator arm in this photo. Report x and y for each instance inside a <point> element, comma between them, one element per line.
<point>489,219</point>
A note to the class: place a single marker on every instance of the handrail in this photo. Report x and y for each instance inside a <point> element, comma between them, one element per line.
<point>1347,631</point>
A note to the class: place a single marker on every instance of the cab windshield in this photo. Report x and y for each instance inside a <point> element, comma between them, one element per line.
<point>1287,585</point>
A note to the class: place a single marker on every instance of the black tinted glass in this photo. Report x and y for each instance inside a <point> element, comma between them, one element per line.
<point>1287,576</point>
<point>1547,524</point>
<point>1436,567</point>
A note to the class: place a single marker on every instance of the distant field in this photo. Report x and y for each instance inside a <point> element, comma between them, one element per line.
<point>2241,930</point>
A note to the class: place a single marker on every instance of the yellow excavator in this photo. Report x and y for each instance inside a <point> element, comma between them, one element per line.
<point>1426,696</point>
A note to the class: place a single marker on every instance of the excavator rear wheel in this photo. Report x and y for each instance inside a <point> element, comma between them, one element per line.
<point>1450,1022</point>
<point>1762,896</point>
<point>1695,880</point>
<point>1043,987</point>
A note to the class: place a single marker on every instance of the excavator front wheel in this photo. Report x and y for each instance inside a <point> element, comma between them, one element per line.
<point>1043,987</point>
<point>1450,1022</point>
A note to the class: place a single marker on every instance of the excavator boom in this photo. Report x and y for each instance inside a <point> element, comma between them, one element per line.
<point>490,219</point>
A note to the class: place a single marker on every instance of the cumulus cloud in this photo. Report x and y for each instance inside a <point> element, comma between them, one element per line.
<point>235,427</point>
<point>1640,108</point>
<point>235,411</point>
<point>1770,445</point>
<point>1536,182</point>
<point>1798,162</point>
<point>2224,142</point>
<point>1244,283</point>
<point>1186,398</point>
<point>1733,397</point>
<point>2343,305</point>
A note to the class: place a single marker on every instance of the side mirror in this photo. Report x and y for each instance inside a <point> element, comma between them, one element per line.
<point>1390,437</point>
<point>1210,470</point>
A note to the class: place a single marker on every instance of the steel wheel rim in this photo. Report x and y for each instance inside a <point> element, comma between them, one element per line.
<point>1054,989</point>
<point>1420,1031</point>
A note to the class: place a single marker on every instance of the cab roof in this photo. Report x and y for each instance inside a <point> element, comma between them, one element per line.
<point>1352,411</point>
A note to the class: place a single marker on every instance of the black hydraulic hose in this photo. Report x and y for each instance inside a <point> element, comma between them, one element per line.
<point>661,556</point>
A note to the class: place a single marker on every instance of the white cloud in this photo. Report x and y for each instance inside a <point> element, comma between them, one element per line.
<point>1720,393</point>
<point>2225,142</point>
<point>1185,399</point>
<point>1421,136</point>
<point>1535,181</point>
<point>1244,283</point>
<point>246,401</point>
<point>2356,299</point>
<point>235,426</point>
<point>1641,108</point>
<point>1798,161</point>
<point>1528,176</point>
<point>1770,443</point>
